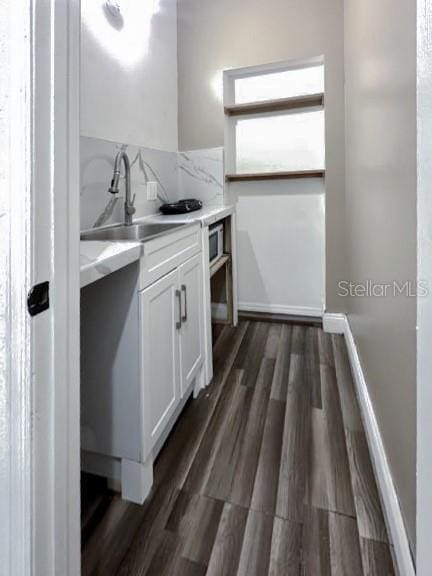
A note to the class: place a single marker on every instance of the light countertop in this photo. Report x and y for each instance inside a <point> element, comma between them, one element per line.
<point>98,259</point>
<point>206,216</point>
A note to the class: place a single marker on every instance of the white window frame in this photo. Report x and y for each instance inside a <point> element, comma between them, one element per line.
<point>229,78</point>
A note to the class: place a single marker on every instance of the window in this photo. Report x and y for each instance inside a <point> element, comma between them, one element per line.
<point>278,143</point>
<point>273,85</point>
<point>275,121</point>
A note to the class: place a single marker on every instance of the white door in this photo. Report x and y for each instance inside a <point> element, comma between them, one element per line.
<point>160,332</point>
<point>191,342</point>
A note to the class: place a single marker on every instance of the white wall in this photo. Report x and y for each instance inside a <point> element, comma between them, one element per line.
<point>129,100</point>
<point>215,35</point>
<point>380,72</point>
<point>129,73</point>
<point>281,246</point>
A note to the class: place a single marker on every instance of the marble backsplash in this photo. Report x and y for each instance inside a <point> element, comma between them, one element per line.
<point>195,174</point>
<point>201,174</point>
<point>98,206</point>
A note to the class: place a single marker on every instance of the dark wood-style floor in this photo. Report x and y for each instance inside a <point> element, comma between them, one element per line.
<point>266,473</point>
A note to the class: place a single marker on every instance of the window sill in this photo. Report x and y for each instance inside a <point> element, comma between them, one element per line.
<point>295,102</point>
<point>292,175</point>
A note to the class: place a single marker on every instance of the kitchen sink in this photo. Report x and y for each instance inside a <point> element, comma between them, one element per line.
<point>135,232</point>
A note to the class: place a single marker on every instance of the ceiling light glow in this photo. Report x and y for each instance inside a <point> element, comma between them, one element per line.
<point>121,27</point>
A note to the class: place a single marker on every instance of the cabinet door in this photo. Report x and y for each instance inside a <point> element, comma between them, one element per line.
<point>160,364</point>
<point>191,341</point>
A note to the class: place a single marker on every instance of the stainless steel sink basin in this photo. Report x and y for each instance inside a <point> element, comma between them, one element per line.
<point>137,232</point>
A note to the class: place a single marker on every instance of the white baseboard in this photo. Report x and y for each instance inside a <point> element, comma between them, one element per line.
<point>280,309</point>
<point>339,324</point>
<point>334,323</point>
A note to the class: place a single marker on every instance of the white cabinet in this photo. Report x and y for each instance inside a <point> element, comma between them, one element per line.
<point>160,367</point>
<point>191,342</point>
<point>142,338</point>
<point>171,345</point>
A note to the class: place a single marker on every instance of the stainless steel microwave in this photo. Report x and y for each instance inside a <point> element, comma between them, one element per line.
<point>216,242</point>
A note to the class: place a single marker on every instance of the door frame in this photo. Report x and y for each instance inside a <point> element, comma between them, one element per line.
<point>423,554</point>
<point>15,366</point>
<point>39,356</point>
<point>55,256</point>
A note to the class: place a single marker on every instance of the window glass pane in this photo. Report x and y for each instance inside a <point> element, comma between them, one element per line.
<point>279,85</point>
<point>285,142</point>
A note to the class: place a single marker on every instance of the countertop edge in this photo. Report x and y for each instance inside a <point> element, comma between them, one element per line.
<point>105,265</point>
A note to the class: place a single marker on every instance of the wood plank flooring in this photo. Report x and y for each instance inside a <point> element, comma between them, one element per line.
<point>266,473</point>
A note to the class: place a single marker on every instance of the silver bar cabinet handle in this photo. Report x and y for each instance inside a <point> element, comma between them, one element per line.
<point>179,321</point>
<point>184,318</point>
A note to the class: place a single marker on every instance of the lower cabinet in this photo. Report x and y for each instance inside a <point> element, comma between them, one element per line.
<point>141,354</point>
<point>191,332</point>
<point>160,366</point>
<point>171,345</point>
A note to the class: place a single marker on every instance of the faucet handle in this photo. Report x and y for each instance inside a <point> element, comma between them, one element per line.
<point>133,199</point>
<point>130,208</point>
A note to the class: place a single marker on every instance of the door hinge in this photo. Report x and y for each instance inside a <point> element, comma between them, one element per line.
<point>38,298</point>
